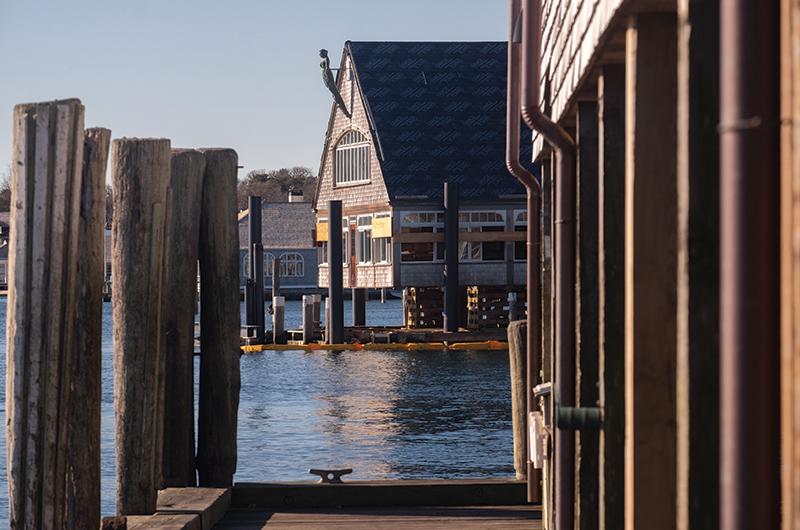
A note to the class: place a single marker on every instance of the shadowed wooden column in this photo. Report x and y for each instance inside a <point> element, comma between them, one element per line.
<point>42,307</point>
<point>83,469</point>
<point>219,321</point>
<point>611,294</point>
<point>140,173</point>
<point>180,288</point>
<point>650,272</point>
<point>586,449</point>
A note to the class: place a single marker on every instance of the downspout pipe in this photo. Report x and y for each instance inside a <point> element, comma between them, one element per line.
<point>533,189</point>
<point>749,265</point>
<point>564,267</point>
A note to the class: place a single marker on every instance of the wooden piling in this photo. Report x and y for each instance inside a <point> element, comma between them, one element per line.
<point>517,356</point>
<point>140,173</point>
<point>182,237</point>
<point>308,318</point>
<point>256,258</point>
<point>359,306</point>
<point>335,272</point>
<point>317,308</point>
<point>278,319</point>
<point>42,308</point>
<point>83,443</point>
<point>451,288</point>
<point>219,321</point>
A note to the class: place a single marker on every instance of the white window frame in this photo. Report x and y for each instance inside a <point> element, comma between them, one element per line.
<point>292,265</point>
<point>520,219</point>
<point>364,238</point>
<point>351,160</point>
<point>424,219</point>
<point>382,243</point>
<point>474,221</point>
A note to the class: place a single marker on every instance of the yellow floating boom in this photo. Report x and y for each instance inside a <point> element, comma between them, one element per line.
<point>357,346</point>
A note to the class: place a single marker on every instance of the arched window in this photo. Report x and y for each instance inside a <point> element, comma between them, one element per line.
<point>268,259</point>
<point>292,264</point>
<point>352,159</point>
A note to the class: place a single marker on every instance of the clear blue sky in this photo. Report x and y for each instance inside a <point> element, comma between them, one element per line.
<point>241,74</point>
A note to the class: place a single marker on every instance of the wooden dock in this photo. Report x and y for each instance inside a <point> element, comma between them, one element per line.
<point>384,504</point>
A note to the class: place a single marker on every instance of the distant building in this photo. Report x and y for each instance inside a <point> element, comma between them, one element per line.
<point>287,230</point>
<point>421,114</point>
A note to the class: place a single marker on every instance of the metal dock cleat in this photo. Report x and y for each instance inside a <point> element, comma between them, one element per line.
<point>330,476</point>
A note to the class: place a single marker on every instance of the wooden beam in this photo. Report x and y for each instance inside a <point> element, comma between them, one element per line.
<point>586,450</point>
<point>219,321</point>
<point>650,272</point>
<point>42,303</point>
<point>697,390</point>
<point>83,470</point>
<point>182,239</point>
<point>438,237</point>
<point>611,294</point>
<point>140,173</point>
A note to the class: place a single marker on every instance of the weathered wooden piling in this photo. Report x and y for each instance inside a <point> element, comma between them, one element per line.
<point>180,287</point>
<point>359,306</point>
<point>42,307</point>
<point>83,442</point>
<point>278,319</point>
<point>308,318</point>
<point>317,303</point>
<point>335,281</point>
<point>451,295</point>
<point>140,173</point>
<point>219,321</point>
<point>254,296</point>
<point>517,357</point>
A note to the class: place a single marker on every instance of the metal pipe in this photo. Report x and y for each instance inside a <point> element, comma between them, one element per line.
<point>749,268</point>
<point>564,254</point>
<point>533,188</point>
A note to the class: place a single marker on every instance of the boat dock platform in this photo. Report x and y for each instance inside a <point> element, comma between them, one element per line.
<point>385,504</point>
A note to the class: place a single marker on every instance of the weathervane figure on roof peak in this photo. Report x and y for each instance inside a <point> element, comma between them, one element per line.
<point>327,78</point>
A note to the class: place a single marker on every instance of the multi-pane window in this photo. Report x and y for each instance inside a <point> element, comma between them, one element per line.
<point>291,265</point>
<point>364,241</point>
<point>382,246</point>
<point>520,225</point>
<point>422,222</point>
<point>352,159</point>
<point>269,262</point>
<point>481,250</point>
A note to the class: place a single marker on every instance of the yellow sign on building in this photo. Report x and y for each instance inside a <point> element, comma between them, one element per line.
<point>382,227</point>
<point>322,231</point>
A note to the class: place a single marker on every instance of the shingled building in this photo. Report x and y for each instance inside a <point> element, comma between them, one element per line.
<point>421,114</point>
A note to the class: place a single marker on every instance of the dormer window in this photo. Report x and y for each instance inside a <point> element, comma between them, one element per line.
<point>352,159</point>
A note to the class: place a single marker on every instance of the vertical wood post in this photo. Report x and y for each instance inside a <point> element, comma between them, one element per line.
<point>256,256</point>
<point>650,272</point>
<point>308,318</point>
<point>698,265</point>
<point>317,300</point>
<point>359,306</point>
<point>278,319</point>
<point>141,173</point>
<point>83,469</point>
<point>611,295</point>
<point>219,321</point>
<point>451,298</point>
<point>517,357</point>
<point>42,307</point>
<point>182,236</point>
<point>335,272</point>
<point>586,450</point>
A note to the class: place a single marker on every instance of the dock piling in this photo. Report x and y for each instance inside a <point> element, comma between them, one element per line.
<point>219,321</point>
<point>182,236</point>
<point>308,318</point>
<point>359,306</point>
<point>141,174</point>
<point>278,316</point>
<point>255,305</point>
<point>317,300</point>
<point>451,290</point>
<point>335,270</point>
<point>517,357</point>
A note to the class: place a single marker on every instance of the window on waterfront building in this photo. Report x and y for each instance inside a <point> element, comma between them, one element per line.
<point>364,241</point>
<point>382,248</point>
<point>291,265</point>
<point>269,260</point>
<point>352,159</point>
<point>488,221</point>
<point>520,225</point>
<point>420,223</point>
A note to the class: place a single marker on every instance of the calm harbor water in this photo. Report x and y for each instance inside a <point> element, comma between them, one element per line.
<point>385,414</point>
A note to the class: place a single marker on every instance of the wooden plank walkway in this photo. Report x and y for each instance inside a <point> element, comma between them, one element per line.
<point>383,518</point>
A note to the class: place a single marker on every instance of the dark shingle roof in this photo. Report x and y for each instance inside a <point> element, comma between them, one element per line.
<point>439,112</point>
<point>283,225</point>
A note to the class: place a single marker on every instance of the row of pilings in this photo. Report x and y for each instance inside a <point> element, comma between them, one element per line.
<point>173,209</point>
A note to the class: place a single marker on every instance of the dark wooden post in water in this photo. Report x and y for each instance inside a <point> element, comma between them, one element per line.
<point>42,307</point>
<point>141,173</point>
<point>219,321</point>
<point>317,304</point>
<point>278,320</point>
<point>451,295</point>
<point>83,443</point>
<point>178,305</point>
<point>359,306</point>
<point>255,255</point>
<point>335,269</point>
<point>308,318</point>
<point>517,356</point>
